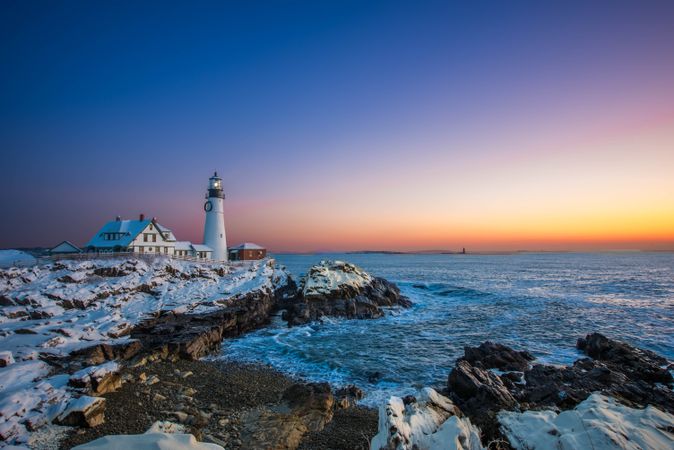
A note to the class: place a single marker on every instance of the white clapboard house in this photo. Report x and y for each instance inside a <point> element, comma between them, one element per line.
<point>143,236</point>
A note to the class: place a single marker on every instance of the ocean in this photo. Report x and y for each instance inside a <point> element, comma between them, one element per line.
<point>541,302</point>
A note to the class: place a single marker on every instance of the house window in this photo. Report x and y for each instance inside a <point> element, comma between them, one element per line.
<point>154,238</point>
<point>144,237</point>
<point>150,226</point>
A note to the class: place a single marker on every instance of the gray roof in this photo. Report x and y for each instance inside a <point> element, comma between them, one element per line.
<point>201,248</point>
<point>247,246</point>
<point>66,246</point>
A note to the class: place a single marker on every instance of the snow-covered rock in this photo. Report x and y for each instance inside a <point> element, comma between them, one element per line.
<point>337,288</point>
<point>598,423</point>
<point>6,358</point>
<point>328,277</point>
<point>84,411</point>
<point>15,258</point>
<point>427,422</point>
<point>98,379</point>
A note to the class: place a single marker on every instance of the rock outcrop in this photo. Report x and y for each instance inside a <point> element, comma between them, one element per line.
<point>490,355</point>
<point>192,336</point>
<point>427,421</point>
<point>598,422</point>
<point>633,376</point>
<point>341,289</point>
<point>635,363</point>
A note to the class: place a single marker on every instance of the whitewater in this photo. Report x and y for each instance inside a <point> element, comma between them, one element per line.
<point>542,302</point>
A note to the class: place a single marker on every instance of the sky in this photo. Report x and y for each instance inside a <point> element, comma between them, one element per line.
<point>342,125</point>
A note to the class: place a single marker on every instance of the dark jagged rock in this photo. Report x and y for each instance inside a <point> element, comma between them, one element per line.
<point>341,289</point>
<point>490,355</point>
<point>480,394</point>
<point>636,363</point>
<point>629,374</point>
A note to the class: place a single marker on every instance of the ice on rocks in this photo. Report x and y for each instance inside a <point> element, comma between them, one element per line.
<point>427,422</point>
<point>599,422</point>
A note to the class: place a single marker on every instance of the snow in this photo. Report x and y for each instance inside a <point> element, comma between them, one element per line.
<point>9,258</point>
<point>161,435</point>
<point>599,422</point>
<point>50,310</point>
<point>329,276</point>
<point>430,423</point>
<point>148,441</point>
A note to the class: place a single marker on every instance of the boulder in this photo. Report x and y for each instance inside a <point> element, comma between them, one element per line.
<point>341,289</point>
<point>98,379</point>
<point>84,411</point>
<point>598,422</point>
<point>348,396</point>
<point>490,355</point>
<point>427,421</point>
<point>637,364</point>
<point>479,385</point>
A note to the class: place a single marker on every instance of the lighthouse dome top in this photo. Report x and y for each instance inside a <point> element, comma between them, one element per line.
<point>215,187</point>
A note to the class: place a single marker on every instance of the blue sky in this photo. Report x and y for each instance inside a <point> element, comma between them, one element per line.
<point>113,108</point>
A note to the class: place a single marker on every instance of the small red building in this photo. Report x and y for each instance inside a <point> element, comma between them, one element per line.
<point>247,251</point>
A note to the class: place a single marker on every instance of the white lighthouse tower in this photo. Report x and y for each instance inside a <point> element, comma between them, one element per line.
<point>214,228</point>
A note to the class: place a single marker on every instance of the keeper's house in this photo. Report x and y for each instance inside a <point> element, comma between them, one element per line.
<point>143,236</point>
<point>247,251</point>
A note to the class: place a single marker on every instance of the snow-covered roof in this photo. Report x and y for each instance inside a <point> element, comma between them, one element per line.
<point>65,247</point>
<point>247,246</point>
<point>128,229</point>
<point>201,248</point>
<point>183,245</point>
<point>168,234</point>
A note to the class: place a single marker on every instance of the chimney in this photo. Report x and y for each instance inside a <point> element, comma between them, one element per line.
<point>118,219</point>
<point>142,217</point>
<point>154,220</point>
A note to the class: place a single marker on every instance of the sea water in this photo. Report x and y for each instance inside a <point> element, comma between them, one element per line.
<point>541,302</point>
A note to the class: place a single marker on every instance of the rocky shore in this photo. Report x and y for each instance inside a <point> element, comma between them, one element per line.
<point>619,397</point>
<point>112,349</point>
<point>82,339</point>
<point>233,405</point>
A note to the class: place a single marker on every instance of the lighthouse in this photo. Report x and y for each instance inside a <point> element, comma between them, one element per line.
<point>214,228</point>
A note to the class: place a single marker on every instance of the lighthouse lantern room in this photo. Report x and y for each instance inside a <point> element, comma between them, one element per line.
<point>214,228</point>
